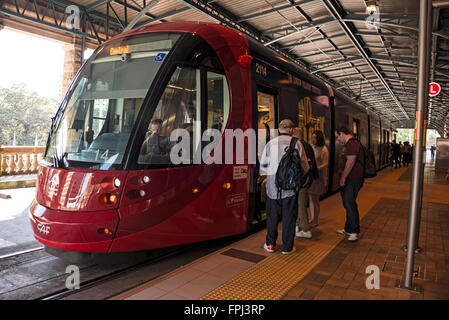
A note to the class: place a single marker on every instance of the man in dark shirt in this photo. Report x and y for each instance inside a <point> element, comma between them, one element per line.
<point>351,180</point>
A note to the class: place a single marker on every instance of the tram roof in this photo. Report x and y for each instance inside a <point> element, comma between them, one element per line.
<point>370,57</point>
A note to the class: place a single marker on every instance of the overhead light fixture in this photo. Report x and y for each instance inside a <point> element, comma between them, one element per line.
<point>371,6</point>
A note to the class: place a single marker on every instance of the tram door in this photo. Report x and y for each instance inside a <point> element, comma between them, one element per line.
<point>267,100</point>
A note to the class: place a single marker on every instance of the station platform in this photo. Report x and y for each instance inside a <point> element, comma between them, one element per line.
<point>328,266</point>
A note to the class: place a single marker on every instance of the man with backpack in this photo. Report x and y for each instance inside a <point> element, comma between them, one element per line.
<point>284,162</point>
<point>351,181</point>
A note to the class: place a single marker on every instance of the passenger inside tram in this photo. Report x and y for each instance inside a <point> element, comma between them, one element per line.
<point>154,143</point>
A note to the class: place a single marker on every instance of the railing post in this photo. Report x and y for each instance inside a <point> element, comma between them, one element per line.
<point>3,164</point>
<point>9,165</point>
<point>34,162</point>
<point>12,164</point>
<point>27,163</point>
<point>1,159</point>
<point>19,163</point>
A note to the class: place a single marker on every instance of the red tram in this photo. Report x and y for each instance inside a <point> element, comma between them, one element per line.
<point>104,186</point>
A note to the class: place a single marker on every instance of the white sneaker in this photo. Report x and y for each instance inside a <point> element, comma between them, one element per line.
<point>302,234</point>
<point>288,252</point>
<point>353,237</point>
<point>297,229</point>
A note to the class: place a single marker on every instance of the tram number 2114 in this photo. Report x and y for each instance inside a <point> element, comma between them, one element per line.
<point>262,70</point>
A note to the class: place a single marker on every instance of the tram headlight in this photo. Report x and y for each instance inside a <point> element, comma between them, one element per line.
<point>117,182</point>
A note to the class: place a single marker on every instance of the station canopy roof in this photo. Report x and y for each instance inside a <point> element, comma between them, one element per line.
<point>367,49</point>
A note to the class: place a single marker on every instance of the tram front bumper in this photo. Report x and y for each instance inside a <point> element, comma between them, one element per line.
<point>73,231</point>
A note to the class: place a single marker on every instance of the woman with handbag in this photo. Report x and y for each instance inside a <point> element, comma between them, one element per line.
<point>319,186</point>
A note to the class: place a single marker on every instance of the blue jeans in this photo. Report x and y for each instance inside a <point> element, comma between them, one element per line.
<point>349,197</point>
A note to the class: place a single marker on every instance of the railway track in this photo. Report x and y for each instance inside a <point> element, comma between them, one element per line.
<point>36,275</point>
<point>18,253</point>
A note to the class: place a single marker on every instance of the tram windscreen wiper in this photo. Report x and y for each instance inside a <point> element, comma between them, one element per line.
<point>58,162</point>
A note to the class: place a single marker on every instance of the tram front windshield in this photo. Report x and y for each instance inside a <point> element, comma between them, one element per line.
<point>99,113</point>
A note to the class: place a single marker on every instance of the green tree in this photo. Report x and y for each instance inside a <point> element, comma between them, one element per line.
<point>26,114</point>
<point>405,135</point>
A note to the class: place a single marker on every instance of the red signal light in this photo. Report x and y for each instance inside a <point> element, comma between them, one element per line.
<point>244,60</point>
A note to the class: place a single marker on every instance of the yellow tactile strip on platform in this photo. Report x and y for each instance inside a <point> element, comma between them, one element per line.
<point>274,276</point>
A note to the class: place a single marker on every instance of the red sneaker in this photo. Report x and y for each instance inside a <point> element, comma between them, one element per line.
<point>269,247</point>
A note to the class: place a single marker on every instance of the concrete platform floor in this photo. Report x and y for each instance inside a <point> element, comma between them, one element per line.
<point>327,266</point>
<point>15,228</point>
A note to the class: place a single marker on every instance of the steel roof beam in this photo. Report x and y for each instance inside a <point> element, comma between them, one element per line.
<point>331,6</point>
<point>162,16</point>
<point>97,4</point>
<point>260,14</point>
<point>373,33</point>
<point>327,51</point>
<point>362,18</point>
<point>20,14</point>
<point>358,17</point>
<point>303,26</point>
<point>93,14</point>
<point>315,40</point>
<point>329,64</point>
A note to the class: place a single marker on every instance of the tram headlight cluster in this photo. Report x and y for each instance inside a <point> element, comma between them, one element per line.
<point>108,198</point>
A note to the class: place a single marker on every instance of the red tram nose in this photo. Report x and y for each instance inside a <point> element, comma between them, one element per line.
<point>76,210</point>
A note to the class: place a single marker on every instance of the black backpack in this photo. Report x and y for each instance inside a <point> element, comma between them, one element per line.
<point>289,174</point>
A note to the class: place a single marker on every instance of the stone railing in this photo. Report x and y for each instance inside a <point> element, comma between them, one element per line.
<point>20,160</point>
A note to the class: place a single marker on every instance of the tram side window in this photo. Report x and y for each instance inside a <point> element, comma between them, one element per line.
<point>217,101</point>
<point>178,108</point>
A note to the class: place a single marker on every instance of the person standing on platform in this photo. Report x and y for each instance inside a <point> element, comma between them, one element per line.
<point>319,186</point>
<point>396,154</point>
<point>286,206</point>
<point>302,224</point>
<point>401,153</point>
<point>406,155</point>
<point>351,180</point>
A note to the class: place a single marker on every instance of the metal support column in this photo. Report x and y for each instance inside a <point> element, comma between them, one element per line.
<point>425,22</point>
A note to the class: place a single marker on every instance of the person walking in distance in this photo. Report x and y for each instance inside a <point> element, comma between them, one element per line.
<point>319,186</point>
<point>351,180</point>
<point>281,203</point>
